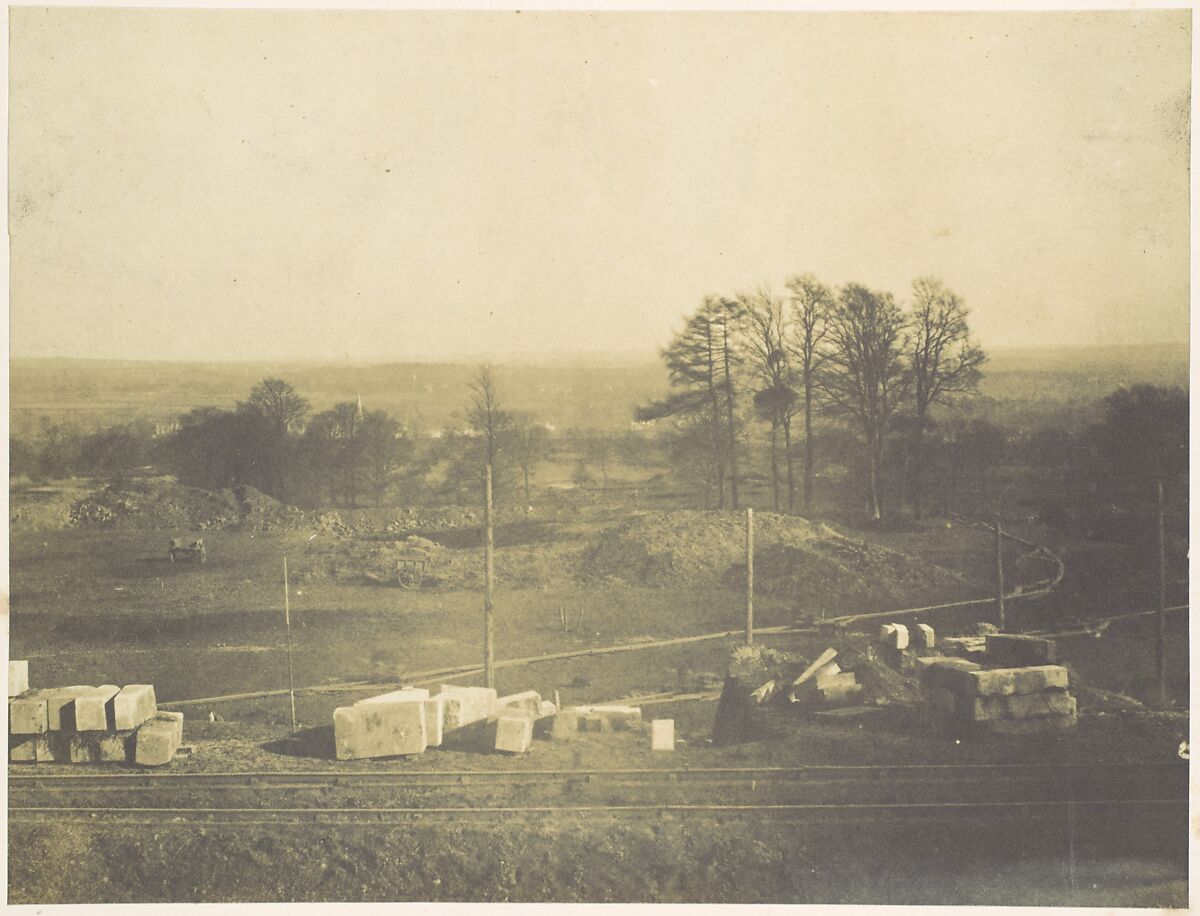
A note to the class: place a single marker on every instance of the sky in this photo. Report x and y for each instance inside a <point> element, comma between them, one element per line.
<point>266,184</point>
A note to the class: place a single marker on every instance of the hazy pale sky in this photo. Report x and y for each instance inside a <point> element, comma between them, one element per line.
<point>374,185</point>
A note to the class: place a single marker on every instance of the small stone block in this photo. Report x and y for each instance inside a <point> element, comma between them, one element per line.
<point>887,634</point>
<point>27,715</point>
<point>18,677</point>
<point>901,637</point>
<point>379,730</point>
<point>662,735</point>
<point>155,742</point>
<point>922,636</point>
<point>514,733</point>
<point>94,711</point>
<point>133,706</point>
<point>546,709</point>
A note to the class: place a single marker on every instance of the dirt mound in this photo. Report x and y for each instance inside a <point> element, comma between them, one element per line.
<point>792,557</point>
<point>155,503</point>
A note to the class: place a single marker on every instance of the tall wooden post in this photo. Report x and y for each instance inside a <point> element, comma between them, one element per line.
<point>1160,641</point>
<point>749,576</point>
<point>489,677</point>
<point>287,620</point>
<point>999,575</point>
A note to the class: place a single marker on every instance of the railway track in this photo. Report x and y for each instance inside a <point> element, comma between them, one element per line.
<point>809,792</point>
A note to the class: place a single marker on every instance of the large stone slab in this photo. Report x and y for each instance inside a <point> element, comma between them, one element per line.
<point>662,735</point>
<point>133,706</point>
<point>514,732</point>
<point>53,747</point>
<point>1014,650</point>
<point>573,720</point>
<point>1017,706</point>
<point>94,711</point>
<point>940,671</point>
<point>379,730</point>
<point>940,701</point>
<point>18,677</point>
<point>60,706</point>
<point>1009,681</point>
<point>405,695</point>
<point>465,705</point>
<point>27,714</point>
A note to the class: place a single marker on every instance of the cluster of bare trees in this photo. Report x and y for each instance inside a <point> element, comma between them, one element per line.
<point>853,354</point>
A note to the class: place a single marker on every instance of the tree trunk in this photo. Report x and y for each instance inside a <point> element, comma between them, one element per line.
<point>808,449</point>
<point>873,499</point>
<point>918,479</point>
<point>525,471</point>
<point>791,472</point>
<point>775,463</point>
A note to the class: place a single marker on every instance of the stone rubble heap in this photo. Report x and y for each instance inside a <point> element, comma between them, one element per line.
<point>82,724</point>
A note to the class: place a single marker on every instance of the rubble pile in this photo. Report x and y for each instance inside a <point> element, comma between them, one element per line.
<point>793,556</point>
<point>83,724</point>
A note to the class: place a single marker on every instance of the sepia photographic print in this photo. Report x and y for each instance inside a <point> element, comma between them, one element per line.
<point>546,456</point>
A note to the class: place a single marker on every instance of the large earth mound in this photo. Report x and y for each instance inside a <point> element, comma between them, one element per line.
<point>792,558</point>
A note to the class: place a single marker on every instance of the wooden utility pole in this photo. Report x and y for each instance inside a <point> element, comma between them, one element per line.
<point>489,677</point>
<point>1160,641</point>
<point>287,620</point>
<point>999,575</point>
<point>749,576</point>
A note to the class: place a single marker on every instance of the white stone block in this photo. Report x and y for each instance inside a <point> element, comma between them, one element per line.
<point>379,730</point>
<point>94,711</point>
<point>133,706</point>
<point>514,732</point>
<point>662,735</point>
<point>27,714</point>
<point>18,677</point>
<point>922,636</point>
<point>465,705</point>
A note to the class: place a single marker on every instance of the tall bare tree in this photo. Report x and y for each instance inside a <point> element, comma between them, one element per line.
<point>865,376</point>
<point>492,423</point>
<point>770,362</point>
<point>812,303</point>
<point>944,361</point>
<point>702,361</point>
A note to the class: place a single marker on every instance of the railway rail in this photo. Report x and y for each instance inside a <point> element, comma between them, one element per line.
<point>872,792</point>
